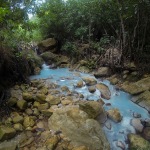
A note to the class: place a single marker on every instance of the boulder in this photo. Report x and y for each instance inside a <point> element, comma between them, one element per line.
<point>102,72</point>
<point>48,44</point>
<point>114,114</point>
<point>18,127</point>
<point>6,133</point>
<point>17,119</point>
<point>137,142</point>
<point>92,108</point>
<point>52,100</point>
<point>146,133</point>
<point>75,125</point>
<point>84,69</point>
<point>136,123</point>
<point>89,81</point>
<point>49,57</point>
<point>105,92</point>
<point>80,148</point>
<point>137,87</point>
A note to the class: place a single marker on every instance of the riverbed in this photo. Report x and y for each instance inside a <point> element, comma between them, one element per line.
<point>116,133</point>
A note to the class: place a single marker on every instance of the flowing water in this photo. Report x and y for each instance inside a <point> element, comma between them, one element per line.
<point>116,133</point>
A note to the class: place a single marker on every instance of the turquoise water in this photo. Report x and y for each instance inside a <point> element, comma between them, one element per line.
<point>119,99</point>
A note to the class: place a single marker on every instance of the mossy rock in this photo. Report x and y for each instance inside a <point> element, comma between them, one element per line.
<point>138,143</point>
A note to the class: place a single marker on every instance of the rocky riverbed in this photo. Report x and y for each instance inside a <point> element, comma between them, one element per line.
<point>72,111</point>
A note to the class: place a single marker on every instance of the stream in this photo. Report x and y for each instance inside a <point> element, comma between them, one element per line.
<point>116,133</point>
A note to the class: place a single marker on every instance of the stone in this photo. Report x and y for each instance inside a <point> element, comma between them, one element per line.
<point>76,126</point>
<point>8,146</point>
<point>36,112</point>
<point>64,88</point>
<point>52,143</point>
<point>136,115</point>
<point>46,112</point>
<point>114,114</point>
<point>52,100</point>
<point>28,122</point>
<point>22,104</point>
<point>137,142</point>
<point>12,101</point>
<point>6,133</point>
<point>102,72</point>
<point>105,92</point>
<point>79,84</point>
<point>114,81</point>
<point>18,127</point>
<point>120,144</point>
<point>47,44</point>
<point>83,69</point>
<point>41,98</point>
<point>49,57</point>
<point>29,111</point>
<point>44,90</point>
<point>146,133</point>
<point>92,108</point>
<point>92,89</point>
<point>43,106</point>
<point>17,119</point>
<point>137,87</point>
<point>80,148</point>
<point>27,96</point>
<point>136,123</point>
<point>36,104</point>
<point>66,102</point>
<point>89,81</point>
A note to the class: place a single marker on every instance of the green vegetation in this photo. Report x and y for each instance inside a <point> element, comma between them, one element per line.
<point>83,28</point>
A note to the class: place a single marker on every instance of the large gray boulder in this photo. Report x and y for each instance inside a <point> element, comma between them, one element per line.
<point>76,125</point>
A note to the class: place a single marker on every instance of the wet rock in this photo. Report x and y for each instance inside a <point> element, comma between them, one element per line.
<point>44,90</point>
<point>105,92</point>
<point>27,96</point>
<point>52,143</point>
<point>52,100</point>
<point>92,89</point>
<point>28,122</point>
<point>92,108</point>
<point>18,127</point>
<point>114,114</point>
<point>137,142</point>
<point>83,69</point>
<point>76,126</point>
<point>114,80</point>
<point>79,84</point>
<point>136,115</point>
<point>22,104</point>
<point>121,145</point>
<point>41,98</point>
<point>27,142</point>
<point>136,123</point>
<point>6,133</point>
<point>108,125</point>
<point>89,81</point>
<point>102,72</point>
<point>64,88</point>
